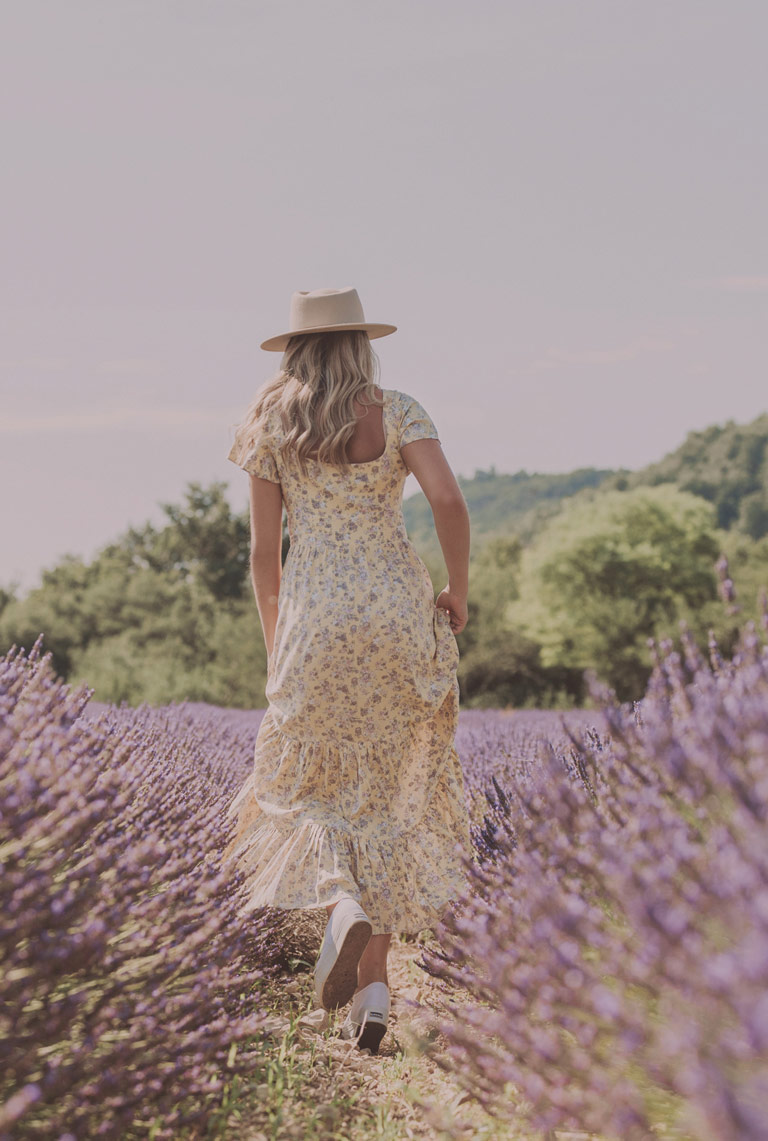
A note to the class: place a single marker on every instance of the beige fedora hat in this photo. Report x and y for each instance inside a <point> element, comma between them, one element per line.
<point>326,311</point>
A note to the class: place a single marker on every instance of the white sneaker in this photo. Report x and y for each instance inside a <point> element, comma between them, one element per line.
<point>346,937</point>
<point>367,1018</point>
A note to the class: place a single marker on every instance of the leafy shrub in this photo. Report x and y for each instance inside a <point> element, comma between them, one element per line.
<point>610,572</point>
<point>159,615</point>
<point>612,946</point>
<point>129,988</point>
<point>505,670</point>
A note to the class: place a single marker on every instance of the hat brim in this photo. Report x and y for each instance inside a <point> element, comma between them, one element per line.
<point>276,344</point>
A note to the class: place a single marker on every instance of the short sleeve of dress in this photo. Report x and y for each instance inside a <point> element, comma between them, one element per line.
<point>416,423</point>
<point>258,460</point>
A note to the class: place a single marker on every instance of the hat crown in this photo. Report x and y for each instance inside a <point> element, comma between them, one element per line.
<point>319,307</point>
<point>326,311</point>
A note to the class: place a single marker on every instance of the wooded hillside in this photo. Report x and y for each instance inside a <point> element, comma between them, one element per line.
<point>727,465</point>
<point>569,573</point>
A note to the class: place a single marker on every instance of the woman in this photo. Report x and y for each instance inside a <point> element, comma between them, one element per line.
<point>356,800</point>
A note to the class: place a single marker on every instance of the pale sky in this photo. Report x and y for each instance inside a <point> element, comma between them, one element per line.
<point>560,203</point>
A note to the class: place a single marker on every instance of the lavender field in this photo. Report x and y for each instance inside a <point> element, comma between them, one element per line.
<point>606,969</point>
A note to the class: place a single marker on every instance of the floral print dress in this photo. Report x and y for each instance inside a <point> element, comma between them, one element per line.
<point>356,786</point>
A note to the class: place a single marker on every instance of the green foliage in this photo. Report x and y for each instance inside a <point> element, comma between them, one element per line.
<point>60,607</point>
<point>494,578</point>
<point>611,572</point>
<point>216,655</point>
<point>726,465</point>
<point>202,543</point>
<point>504,670</point>
<point>159,615</point>
<point>500,505</point>
<point>501,667</point>
<point>569,572</point>
<point>748,567</point>
<point>754,515</point>
<point>8,594</point>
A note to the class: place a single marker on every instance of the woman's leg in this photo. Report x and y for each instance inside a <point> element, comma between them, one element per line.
<point>372,967</point>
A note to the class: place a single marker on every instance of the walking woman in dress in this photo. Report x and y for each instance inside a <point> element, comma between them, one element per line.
<point>356,799</point>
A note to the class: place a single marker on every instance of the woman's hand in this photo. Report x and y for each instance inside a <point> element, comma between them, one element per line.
<point>456,605</point>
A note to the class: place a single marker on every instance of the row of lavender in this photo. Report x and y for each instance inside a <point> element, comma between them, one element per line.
<point>129,989</point>
<point>610,958</point>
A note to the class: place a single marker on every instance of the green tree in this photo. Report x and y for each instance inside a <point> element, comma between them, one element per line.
<point>754,515</point>
<point>493,582</point>
<point>202,651</point>
<point>159,615</point>
<point>8,594</point>
<point>748,568</point>
<point>499,666</point>
<point>609,573</point>
<point>203,541</point>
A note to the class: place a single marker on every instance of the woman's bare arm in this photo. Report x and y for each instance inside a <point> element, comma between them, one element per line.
<point>426,460</point>
<point>266,546</point>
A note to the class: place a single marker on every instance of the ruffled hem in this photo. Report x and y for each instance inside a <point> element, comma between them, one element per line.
<point>306,857</point>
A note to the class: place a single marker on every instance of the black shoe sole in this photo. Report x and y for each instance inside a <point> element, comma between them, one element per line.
<point>371,1037</point>
<point>341,983</point>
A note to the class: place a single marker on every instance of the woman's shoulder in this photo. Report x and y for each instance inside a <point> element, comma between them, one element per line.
<point>411,418</point>
<point>401,401</point>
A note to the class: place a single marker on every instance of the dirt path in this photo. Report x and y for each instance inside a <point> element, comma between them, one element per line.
<point>317,1085</point>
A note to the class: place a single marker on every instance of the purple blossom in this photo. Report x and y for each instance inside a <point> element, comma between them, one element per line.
<point>609,956</point>
<point>125,973</point>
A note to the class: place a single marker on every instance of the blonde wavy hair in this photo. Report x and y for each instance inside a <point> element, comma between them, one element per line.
<point>321,376</point>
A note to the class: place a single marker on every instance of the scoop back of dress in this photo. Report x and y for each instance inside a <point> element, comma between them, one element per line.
<point>356,787</point>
